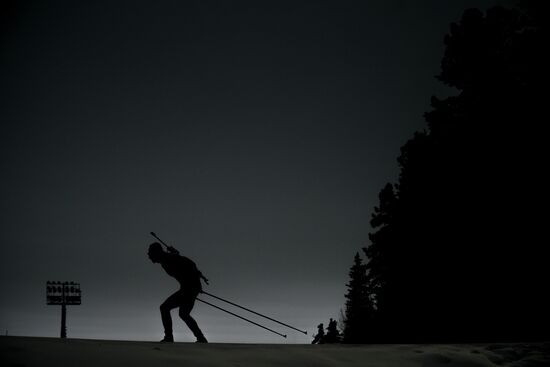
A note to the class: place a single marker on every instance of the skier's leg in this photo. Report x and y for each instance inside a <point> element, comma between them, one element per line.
<point>184,312</point>
<point>171,302</point>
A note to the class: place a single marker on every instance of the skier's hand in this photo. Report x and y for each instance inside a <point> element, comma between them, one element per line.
<point>172,250</point>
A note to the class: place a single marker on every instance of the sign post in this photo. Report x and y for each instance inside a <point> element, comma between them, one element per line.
<point>63,293</point>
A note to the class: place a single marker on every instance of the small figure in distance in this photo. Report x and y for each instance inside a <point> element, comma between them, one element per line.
<point>332,335</point>
<point>186,273</point>
<point>320,337</point>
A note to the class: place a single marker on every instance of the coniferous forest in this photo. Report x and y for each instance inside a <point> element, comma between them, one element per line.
<point>458,250</point>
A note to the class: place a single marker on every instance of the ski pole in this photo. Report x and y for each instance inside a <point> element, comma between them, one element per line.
<point>240,317</point>
<point>254,312</point>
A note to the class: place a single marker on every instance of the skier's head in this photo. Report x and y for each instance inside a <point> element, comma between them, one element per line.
<point>155,252</point>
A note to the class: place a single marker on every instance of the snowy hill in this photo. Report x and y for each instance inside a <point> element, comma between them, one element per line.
<point>30,351</point>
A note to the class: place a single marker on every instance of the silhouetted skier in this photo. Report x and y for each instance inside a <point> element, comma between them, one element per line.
<point>186,273</point>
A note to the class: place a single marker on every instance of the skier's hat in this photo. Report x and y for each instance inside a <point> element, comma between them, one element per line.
<point>155,248</point>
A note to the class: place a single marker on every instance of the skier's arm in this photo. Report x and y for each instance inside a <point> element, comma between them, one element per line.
<point>203,278</point>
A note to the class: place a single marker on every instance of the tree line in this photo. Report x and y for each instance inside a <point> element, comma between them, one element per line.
<point>458,244</point>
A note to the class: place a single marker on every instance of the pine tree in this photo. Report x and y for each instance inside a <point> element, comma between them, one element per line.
<point>458,231</point>
<point>359,306</point>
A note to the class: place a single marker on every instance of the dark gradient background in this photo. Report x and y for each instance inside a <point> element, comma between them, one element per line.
<point>252,136</point>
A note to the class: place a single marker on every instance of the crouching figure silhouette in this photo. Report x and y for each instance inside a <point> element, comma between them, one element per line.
<point>189,277</point>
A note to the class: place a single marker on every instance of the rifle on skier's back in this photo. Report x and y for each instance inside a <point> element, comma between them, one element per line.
<point>173,250</point>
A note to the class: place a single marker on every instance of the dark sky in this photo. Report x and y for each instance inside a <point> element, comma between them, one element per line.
<point>253,136</point>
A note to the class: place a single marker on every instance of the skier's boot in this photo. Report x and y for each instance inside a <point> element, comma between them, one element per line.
<point>168,338</point>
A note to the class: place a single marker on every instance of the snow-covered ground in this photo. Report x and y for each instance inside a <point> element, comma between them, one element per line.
<point>45,352</point>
